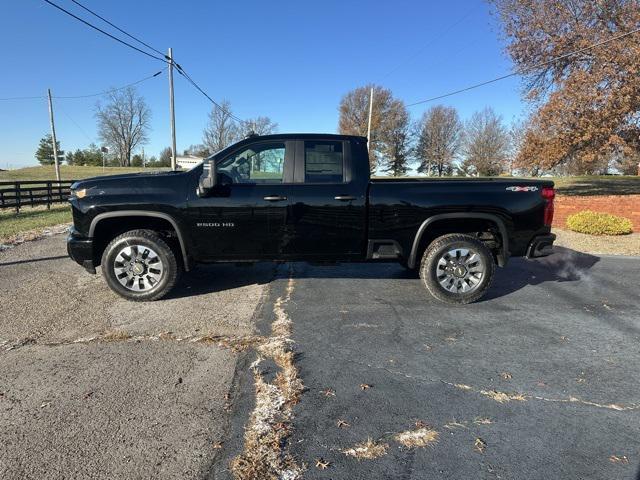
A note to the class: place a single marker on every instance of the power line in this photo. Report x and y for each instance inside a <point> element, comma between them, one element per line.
<point>182,72</point>
<point>523,70</point>
<point>104,32</point>
<point>117,28</point>
<point>40,97</point>
<point>76,124</point>
<point>431,41</point>
<point>163,59</point>
<point>114,89</point>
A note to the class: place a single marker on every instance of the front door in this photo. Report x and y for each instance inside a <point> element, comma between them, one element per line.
<point>244,216</point>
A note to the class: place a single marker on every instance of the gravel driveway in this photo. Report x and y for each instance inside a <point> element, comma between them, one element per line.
<point>93,386</point>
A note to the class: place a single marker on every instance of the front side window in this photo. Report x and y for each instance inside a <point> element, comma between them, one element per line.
<point>258,163</point>
<point>323,162</point>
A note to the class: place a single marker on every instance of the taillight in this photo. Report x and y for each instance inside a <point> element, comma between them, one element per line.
<point>548,193</point>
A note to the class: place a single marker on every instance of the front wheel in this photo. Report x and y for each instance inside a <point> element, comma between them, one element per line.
<point>457,268</point>
<point>139,265</point>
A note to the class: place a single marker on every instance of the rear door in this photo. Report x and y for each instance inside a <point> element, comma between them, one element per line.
<point>328,206</point>
<point>245,216</point>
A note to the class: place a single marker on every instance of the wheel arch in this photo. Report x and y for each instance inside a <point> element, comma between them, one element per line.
<point>415,248</point>
<point>144,213</point>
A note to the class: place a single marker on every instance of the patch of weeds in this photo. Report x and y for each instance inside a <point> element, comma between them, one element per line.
<point>368,450</point>
<point>619,459</point>
<point>483,421</point>
<point>420,437</point>
<point>115,335</point>
<point>265,454</point>
<point>462,386</point>
<point>479,445</point>
<point>235,344</point>
<point>502,397</point>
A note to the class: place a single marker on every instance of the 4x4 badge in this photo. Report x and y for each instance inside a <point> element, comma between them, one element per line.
<point>522,189</point>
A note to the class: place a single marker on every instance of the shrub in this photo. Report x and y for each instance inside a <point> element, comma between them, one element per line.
<point>596,223</point>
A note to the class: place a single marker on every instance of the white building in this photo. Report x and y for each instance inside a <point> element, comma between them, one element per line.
<point>186,162</point>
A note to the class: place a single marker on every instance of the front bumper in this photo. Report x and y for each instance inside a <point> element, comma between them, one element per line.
<point>80,249</point>
<point>541,246</point>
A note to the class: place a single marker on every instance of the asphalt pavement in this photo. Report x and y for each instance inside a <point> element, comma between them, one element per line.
<point>539,380</point>
<point>557,337</point>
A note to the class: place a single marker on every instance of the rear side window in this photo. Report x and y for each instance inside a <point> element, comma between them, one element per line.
<point>323,162</point>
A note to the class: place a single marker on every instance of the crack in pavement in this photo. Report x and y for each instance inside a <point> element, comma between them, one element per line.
<point>265,453</point>
<point>501,397</point>
<point>234,343</point>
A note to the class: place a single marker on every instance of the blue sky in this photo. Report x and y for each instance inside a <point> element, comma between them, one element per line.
<point>291,61</point>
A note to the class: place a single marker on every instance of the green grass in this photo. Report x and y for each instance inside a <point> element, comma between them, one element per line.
<point>32,219</point>
<point>67,172</point>
<point>598,185</point>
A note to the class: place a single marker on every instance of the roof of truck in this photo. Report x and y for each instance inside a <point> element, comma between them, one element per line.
<point>302,136</point>
<point>286,136</point>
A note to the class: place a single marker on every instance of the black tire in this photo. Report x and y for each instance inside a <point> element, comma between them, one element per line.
<point>169,266</point>
<point>430,269</point>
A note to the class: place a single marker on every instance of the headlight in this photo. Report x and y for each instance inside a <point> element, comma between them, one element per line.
<point>79,193</point>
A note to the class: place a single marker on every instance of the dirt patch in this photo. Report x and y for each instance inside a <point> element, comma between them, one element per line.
<point>33,234</point>
<point>598,245</point>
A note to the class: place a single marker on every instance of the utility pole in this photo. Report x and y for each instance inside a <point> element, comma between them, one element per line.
<point>104,150</point>
<point>370,115</point>
<point>172,113</point>
<point>53,137</point>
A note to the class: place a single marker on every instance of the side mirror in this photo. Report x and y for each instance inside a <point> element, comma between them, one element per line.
<point>208,178</point>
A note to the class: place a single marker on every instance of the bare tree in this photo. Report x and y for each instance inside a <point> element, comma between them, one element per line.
<point>395,138</point>
<point>517,132</point>
<point>439,140</point>
<point>354,117</point>
<point>259,126</point>
<point>486,144</point>
<point>123,123</point>
<point>221,130</point>
<point>197,151</point>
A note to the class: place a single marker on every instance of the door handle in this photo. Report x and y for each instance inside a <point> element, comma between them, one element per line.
<point>344,198</point>
<point>274,198</point>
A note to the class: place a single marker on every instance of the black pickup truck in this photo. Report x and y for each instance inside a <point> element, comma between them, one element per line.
<point>305,197</point>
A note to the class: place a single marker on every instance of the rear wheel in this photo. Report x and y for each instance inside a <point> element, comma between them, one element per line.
<point>457,268</point>
<point>139,265</point>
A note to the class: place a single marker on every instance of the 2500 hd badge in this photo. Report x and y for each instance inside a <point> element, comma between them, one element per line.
<point>215,224</point>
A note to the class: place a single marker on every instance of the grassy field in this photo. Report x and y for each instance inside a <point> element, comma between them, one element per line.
<point>67,172</point>
<point>39,217</point>
<point>598,185</point>
<point>32,219</point>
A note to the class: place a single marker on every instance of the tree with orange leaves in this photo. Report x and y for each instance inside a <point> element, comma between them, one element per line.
<point>587,105</point>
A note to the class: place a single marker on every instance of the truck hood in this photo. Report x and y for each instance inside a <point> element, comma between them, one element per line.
<point>124,176</point>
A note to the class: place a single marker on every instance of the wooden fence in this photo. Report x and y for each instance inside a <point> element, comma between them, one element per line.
<point>33,192</point>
